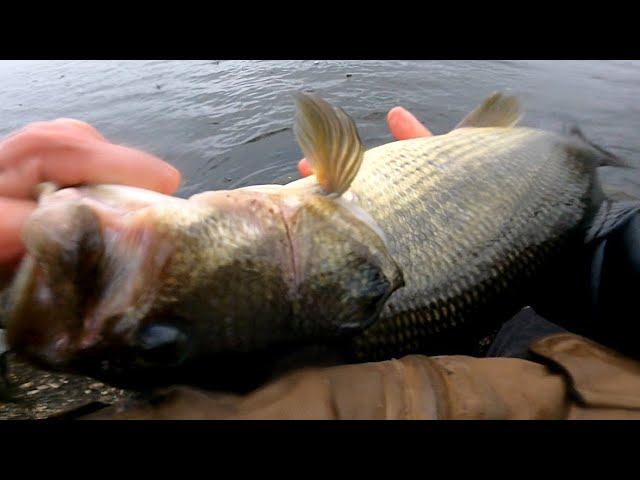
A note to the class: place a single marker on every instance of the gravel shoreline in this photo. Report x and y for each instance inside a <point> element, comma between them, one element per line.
<point>32,393</point>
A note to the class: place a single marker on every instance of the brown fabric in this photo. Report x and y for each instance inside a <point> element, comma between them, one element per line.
<point>397,389</point>
<point>603,383</point>
<point>501,389</point>
<point>584,381</point>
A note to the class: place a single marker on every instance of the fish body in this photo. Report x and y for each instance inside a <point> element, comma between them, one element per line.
<point>379,252</point>
<point>471,218</point>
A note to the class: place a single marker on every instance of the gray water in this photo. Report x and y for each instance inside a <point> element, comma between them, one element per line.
<point>226,124</point>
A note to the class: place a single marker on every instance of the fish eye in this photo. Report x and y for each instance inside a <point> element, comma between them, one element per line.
<point>161,344</point>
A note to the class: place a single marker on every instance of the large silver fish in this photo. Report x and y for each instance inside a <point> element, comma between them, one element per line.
<point>404,248</point>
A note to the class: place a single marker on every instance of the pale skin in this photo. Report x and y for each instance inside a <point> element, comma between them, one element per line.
<point>71,152</point>
<point>67,152</point>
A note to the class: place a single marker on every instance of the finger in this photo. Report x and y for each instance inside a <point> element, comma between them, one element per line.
<point>79,125</point>
<point>56,127</point>
<point>404,125</point>
<point>72,162</point>
<point>14,214</point>
<point>113,163</point>
<point>304,168</point>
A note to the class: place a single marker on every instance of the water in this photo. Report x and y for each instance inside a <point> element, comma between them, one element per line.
<point>226,124</point>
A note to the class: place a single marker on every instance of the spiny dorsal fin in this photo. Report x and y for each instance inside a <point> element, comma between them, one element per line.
<point>329,140</point>
<point>497,110</point>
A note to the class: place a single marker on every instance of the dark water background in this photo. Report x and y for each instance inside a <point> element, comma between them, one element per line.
<point>228,123</point>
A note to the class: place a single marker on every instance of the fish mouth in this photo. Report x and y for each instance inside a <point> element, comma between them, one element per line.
<point>123,368</point>
<point>78,291</point>
<point>119,363</point>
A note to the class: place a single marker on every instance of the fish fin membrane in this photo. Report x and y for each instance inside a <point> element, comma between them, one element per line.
<point>330,142</point>
<point>497,110</point>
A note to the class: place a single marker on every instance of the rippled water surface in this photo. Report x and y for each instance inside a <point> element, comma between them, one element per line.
<point>228,123</point>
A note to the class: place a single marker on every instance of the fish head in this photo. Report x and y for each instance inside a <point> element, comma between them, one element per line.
<point>123,284</point>
<point>89,276</point>
<point>121,279</point>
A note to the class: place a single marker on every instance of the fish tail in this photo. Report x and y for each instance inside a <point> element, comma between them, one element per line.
<point>616,192</point>
<point>617,187</point>
<point>617,181</point>
<point>605,157</point>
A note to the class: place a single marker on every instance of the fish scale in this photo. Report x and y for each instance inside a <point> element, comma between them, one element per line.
<point>468,216</point>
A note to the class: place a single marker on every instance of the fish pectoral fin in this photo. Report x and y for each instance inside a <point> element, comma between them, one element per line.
<point>330,142</point>
<point>497,110</point>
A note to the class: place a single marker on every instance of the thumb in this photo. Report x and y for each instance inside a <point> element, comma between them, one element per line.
<point>404,125</point>
<point>304,168</point>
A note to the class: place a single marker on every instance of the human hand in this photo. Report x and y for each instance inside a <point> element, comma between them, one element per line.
<point>66,152</point>
<point>403,126</point>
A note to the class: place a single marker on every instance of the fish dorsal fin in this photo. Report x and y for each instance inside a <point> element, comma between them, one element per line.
<point>497,110</point>
<point>330,142</point>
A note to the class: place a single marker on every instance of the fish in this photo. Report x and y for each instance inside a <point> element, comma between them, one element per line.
<point>414,246</point>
